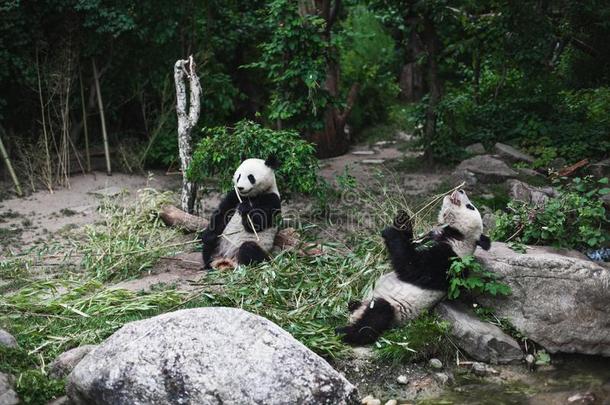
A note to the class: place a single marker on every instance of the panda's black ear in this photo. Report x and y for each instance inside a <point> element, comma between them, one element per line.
<point>242,157</point>
<point>484,242</point>
<point>272,162</point>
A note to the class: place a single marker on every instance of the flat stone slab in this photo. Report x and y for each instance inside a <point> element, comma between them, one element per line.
<point>363,152</point>
<point>373,161</point>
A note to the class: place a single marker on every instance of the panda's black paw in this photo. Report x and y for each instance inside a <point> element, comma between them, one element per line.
<point>402,222</point>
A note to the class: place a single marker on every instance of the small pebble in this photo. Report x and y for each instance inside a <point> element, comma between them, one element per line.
<point>479,369</point>
<point>530,360</point>
<point>402,379</point>
<point>435,363</point>
<point>443,378</point>
<point>370,400</point>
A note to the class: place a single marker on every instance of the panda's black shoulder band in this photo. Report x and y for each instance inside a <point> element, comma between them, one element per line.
<point>264,210</point>
<point>221,216</point>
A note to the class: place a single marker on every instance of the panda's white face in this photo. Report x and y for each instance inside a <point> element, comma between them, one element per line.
<point>460,213</point>
<point>254,177</point>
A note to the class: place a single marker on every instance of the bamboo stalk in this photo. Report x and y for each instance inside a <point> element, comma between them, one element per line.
<point>85,127</point>
<point>9,166</point>
<point>247,215</point>
<point>102,118</point>
<point>49,180</point>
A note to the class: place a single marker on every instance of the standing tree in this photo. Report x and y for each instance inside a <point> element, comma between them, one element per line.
<point>301,63</point>
<point>186,123</point>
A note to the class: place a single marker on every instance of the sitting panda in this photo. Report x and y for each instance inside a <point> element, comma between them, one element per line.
<point>419,279</point>
<point>230,232</point>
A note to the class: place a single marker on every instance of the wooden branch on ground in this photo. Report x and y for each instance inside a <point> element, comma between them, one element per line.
<point>567,171</point>
<point>287,238</point>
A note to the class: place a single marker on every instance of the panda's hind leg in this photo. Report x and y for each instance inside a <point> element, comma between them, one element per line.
<point>376,319</point>
<point>250,253</point>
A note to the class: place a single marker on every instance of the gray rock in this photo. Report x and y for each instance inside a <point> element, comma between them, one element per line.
<point>479,369</point>
<point>7,340</point>
<point>435,363</point>
<point>489,222</point>
<point>524,171</point>
<point>537,196</point>
<point>476,149</point>
<point>444,378</point>
<point>512,154</point>
<point>60,401</point>
<point>65,362</point>
<point>402,379</point>
<point>559,302</point>
<point>481,340</point>
<point>8,396</point>
<point>206,356</point>
<point>486,169</point>
<point>606,201</point>
<point>601,168</point>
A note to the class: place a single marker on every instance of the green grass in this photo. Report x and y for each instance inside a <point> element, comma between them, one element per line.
<point>420,339</point>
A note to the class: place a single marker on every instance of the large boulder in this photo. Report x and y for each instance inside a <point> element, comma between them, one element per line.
<point>206,356</point>
<point>65,362</point>
<point>561,302</point>
<point>481,340</point>
<point>512,154</point>
<point>485,168</point>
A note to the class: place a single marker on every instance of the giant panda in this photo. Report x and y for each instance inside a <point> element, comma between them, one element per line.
<point>419,279</point>
<point>230,232</point>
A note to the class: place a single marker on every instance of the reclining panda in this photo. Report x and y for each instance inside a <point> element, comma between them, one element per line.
<point>419,279</point>
<point>243,227</point>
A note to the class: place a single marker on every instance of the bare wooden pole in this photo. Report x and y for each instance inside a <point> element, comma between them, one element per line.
<point>49,175</point>
<point>85,127</point>
<point>186,122</point>
<point>102,118</point>
<point>9,166</point>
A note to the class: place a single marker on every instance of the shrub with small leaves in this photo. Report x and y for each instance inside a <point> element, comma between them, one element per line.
<point>220,152</point>
<point>575,218</point>
<point>468,275</point>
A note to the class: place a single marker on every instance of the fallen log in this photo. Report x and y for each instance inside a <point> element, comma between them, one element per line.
<point>286,238</point>
<point>569,170</point>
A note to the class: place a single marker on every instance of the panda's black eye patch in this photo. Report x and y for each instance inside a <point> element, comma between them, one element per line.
<point>251,178</point>
<point>238,177</point>
<point>470,206</point>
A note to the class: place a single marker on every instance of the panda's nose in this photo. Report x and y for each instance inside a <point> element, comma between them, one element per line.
<point>240,188</point>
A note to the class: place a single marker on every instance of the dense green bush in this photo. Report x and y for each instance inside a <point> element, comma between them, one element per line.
<point>221,150</point>
<point>368,57</point>
<point>576,218</point>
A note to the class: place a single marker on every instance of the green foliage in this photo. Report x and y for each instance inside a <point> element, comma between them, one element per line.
<point>575,218</point>
<point>220,152</point>
<point>422,338</point>
<point>293,59</point>
<point>466,275</point>
<point>368,57</point>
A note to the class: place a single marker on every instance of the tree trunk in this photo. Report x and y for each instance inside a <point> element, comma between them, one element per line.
<point>432,45</point>
<point>186,122</point>
<point>100,104</point>
<point>411,81</point>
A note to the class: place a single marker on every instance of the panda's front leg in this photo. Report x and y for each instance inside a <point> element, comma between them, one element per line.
<point>398,239</point>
